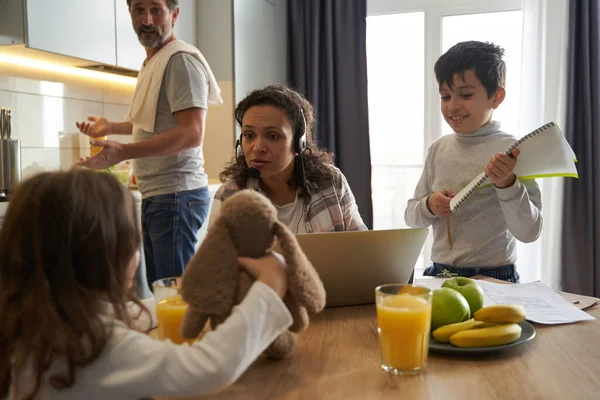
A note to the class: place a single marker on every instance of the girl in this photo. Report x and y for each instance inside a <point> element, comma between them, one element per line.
<point>69,248</point>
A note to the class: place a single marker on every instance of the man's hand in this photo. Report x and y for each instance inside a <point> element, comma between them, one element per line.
<point>99,127</point>
<point>439,202</point>
<point>500,169</point>
<point>112,153</point>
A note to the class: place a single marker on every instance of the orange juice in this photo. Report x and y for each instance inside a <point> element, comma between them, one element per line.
<point>169,313</point>
<point>403,325</point>
<point>96,149</point>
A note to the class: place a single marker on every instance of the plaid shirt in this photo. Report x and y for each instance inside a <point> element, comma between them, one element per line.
<point>331,205</point>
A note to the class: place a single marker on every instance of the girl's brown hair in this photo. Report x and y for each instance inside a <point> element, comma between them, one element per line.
<point>300,113</point>
<point>65,244</point>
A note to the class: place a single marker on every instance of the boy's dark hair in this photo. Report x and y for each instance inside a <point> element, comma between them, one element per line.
<point>484,58</point>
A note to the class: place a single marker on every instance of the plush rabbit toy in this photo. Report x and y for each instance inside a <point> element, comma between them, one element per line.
<point>213,282</point>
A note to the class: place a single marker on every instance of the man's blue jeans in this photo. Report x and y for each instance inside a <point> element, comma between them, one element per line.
<point>170,224</point>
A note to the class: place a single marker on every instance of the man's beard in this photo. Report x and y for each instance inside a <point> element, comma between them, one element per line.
<point>152,42</point>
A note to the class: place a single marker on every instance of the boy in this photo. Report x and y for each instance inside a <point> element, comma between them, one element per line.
<point>479,238</point>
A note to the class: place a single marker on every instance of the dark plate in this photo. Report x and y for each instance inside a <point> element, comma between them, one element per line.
<point>527,334</point>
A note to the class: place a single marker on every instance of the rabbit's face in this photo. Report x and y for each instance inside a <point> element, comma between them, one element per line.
<point>250,217</point>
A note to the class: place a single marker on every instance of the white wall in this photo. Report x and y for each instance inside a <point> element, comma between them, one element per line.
<point>215,41</point>
<point>45,107</point>
<point>245,43</point>
<point>185,27</point>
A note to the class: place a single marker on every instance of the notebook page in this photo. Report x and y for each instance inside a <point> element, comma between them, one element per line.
<point>547,153</point>
<point>462,195</point>
<point>544,154</point>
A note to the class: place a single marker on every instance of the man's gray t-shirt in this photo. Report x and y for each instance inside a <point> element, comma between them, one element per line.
<point>184,85</point>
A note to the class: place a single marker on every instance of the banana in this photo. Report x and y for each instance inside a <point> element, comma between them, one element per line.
<point>443,333</point>
<point>497,335</point>
<point>484,325</point>
<point>500,313</point>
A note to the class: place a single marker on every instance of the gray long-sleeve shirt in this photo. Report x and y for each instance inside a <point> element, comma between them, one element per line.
<point>485,228</point>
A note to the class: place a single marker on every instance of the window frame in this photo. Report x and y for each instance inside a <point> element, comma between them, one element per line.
<point>435,11</point>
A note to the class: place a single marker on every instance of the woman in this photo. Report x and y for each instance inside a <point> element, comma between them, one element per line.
<point>276,156</point>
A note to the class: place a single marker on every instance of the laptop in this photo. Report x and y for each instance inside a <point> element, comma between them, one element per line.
<point>352,264</point>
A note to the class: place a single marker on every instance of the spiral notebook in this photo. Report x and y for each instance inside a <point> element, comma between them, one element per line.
<point>544,153</point>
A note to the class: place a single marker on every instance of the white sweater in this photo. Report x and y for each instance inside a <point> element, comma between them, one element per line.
<point>133,365</point>
<point>484,229</point>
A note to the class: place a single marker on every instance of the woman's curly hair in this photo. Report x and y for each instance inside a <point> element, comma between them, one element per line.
<point>317,163</point>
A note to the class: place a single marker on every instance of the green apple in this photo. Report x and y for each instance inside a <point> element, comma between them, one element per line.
<point>448,307</point>
<point>469,289</point>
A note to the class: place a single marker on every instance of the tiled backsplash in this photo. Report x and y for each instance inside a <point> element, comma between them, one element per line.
<point>45,107</point>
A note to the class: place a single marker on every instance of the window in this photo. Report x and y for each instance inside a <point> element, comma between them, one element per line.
<point>404,39</point>
<point>396,110</point>
<point>504,29</point>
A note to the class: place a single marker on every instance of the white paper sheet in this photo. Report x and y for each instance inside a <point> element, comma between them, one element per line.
<point>542,304</point>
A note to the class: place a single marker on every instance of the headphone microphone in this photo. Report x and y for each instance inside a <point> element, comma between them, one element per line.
<point>253,173</point>
<point>238,148</point>
<point>300,142</point>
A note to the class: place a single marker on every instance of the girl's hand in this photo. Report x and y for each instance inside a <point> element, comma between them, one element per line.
<point>269,270</point>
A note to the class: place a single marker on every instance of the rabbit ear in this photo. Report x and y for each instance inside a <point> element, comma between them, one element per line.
<point>304,284</point>
<point>211,277</point>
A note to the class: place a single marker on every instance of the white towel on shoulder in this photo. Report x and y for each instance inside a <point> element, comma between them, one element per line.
<point>142,111</point>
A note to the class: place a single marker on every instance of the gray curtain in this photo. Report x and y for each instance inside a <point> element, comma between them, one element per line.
<point>581,219</point>
<point>328,64</point>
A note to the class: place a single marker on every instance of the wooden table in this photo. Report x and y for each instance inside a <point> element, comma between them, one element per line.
<point>338,358</point>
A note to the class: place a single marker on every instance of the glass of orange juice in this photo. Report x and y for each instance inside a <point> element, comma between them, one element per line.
<point>96,149</point>
<point>170,309</point>
<point>403,324</point>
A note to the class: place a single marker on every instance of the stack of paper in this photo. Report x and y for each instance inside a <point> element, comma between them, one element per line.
<point>542,304</point>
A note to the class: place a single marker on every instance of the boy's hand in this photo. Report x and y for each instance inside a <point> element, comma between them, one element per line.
<point>500,169</point>
<point>269,270</point>
<point>439,202</point>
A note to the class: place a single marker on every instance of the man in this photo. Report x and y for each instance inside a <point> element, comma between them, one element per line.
<point>167,120</point>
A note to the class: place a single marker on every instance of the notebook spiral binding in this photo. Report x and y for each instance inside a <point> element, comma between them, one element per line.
<point>509,151</point>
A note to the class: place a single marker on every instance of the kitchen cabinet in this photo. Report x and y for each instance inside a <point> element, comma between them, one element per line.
<point>99,31</point>
<point>77,28</point>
